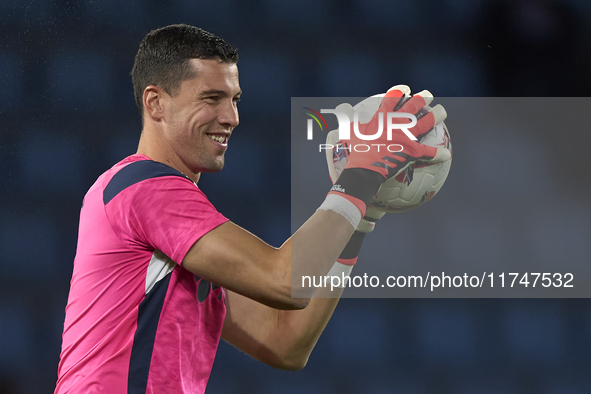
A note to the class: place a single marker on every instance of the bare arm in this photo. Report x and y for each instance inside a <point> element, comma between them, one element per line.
<point>233,258</point>
<point>280,338</point>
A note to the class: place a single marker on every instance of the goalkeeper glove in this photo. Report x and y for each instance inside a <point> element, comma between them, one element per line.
<point>365,171</point>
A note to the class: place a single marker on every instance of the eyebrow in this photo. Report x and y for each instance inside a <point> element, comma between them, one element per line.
<point>217,91</point>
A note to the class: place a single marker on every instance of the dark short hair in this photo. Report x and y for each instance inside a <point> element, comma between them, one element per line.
<point>163,58</point>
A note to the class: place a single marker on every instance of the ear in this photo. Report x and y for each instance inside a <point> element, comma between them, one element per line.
<point>153,103</point>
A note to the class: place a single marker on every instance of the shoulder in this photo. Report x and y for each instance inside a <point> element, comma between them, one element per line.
<point>140,171</point>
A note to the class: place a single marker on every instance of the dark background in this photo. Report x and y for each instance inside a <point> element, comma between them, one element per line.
<point>68,114</point>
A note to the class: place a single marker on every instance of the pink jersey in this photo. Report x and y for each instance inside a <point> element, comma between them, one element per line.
<point>136,321</point>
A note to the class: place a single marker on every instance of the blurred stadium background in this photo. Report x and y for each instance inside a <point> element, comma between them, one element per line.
<point>68,114</point>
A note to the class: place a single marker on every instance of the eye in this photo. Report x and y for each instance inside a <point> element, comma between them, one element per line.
<point>213,98</point>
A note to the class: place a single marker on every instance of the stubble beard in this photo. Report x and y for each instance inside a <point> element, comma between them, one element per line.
<point>206,160</point>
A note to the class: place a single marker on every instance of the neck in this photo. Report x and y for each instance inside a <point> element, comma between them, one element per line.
<point>153,145</point>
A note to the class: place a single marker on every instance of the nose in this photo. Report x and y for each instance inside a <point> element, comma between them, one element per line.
<point>229,114</point>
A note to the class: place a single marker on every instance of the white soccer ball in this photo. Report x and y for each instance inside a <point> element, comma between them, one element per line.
<point>419,182</point>
<point>413,187</point>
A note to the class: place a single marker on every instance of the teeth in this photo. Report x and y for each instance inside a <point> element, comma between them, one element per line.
<point>220,139</point>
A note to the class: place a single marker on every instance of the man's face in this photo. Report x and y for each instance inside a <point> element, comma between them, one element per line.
<point>201,116</point>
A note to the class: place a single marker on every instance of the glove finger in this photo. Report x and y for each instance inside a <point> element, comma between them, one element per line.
<point>428,120</point>
<point>346,108</point>
<point>367,108</point>
<point>427,117</point>
<point>427,95</point>
<point>373,214</point>
<point>439,113</point>
<point>417,106</point>
<point>424,125</point>
<point>394,97</point>
<point>416,103</point>
<point>366,226</point>
<point>402,88</point>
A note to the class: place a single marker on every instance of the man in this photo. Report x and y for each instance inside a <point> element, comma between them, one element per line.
<point>160,275</point>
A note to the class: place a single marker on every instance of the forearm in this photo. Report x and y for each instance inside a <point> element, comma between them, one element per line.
<point>280,338</point>
<point>285,338</point>
<point>300,330</point>
<point>315,247</point>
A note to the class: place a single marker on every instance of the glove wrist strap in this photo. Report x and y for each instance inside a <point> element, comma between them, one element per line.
<point>351,251</point>
<point>341,271</point>
<point>342,205</point>
<point>359,183</point>
<point>345,263</point>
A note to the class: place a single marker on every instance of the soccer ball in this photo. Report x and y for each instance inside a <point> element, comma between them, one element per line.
<point>414,186</point>
<point>419,182</point>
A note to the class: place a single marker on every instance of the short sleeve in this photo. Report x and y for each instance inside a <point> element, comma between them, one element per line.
<point>166,212</point>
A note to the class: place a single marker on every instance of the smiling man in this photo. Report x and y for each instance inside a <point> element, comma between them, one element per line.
<point>160,275</point>
<point>190,130</point>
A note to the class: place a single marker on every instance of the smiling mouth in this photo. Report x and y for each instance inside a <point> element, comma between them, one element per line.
<point>222,139</point>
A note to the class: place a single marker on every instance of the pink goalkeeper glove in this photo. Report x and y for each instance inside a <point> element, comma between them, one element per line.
<point>369,167</point>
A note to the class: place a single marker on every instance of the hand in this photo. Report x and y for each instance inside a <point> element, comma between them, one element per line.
<point>378,158</point>
<point>363,171</point>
